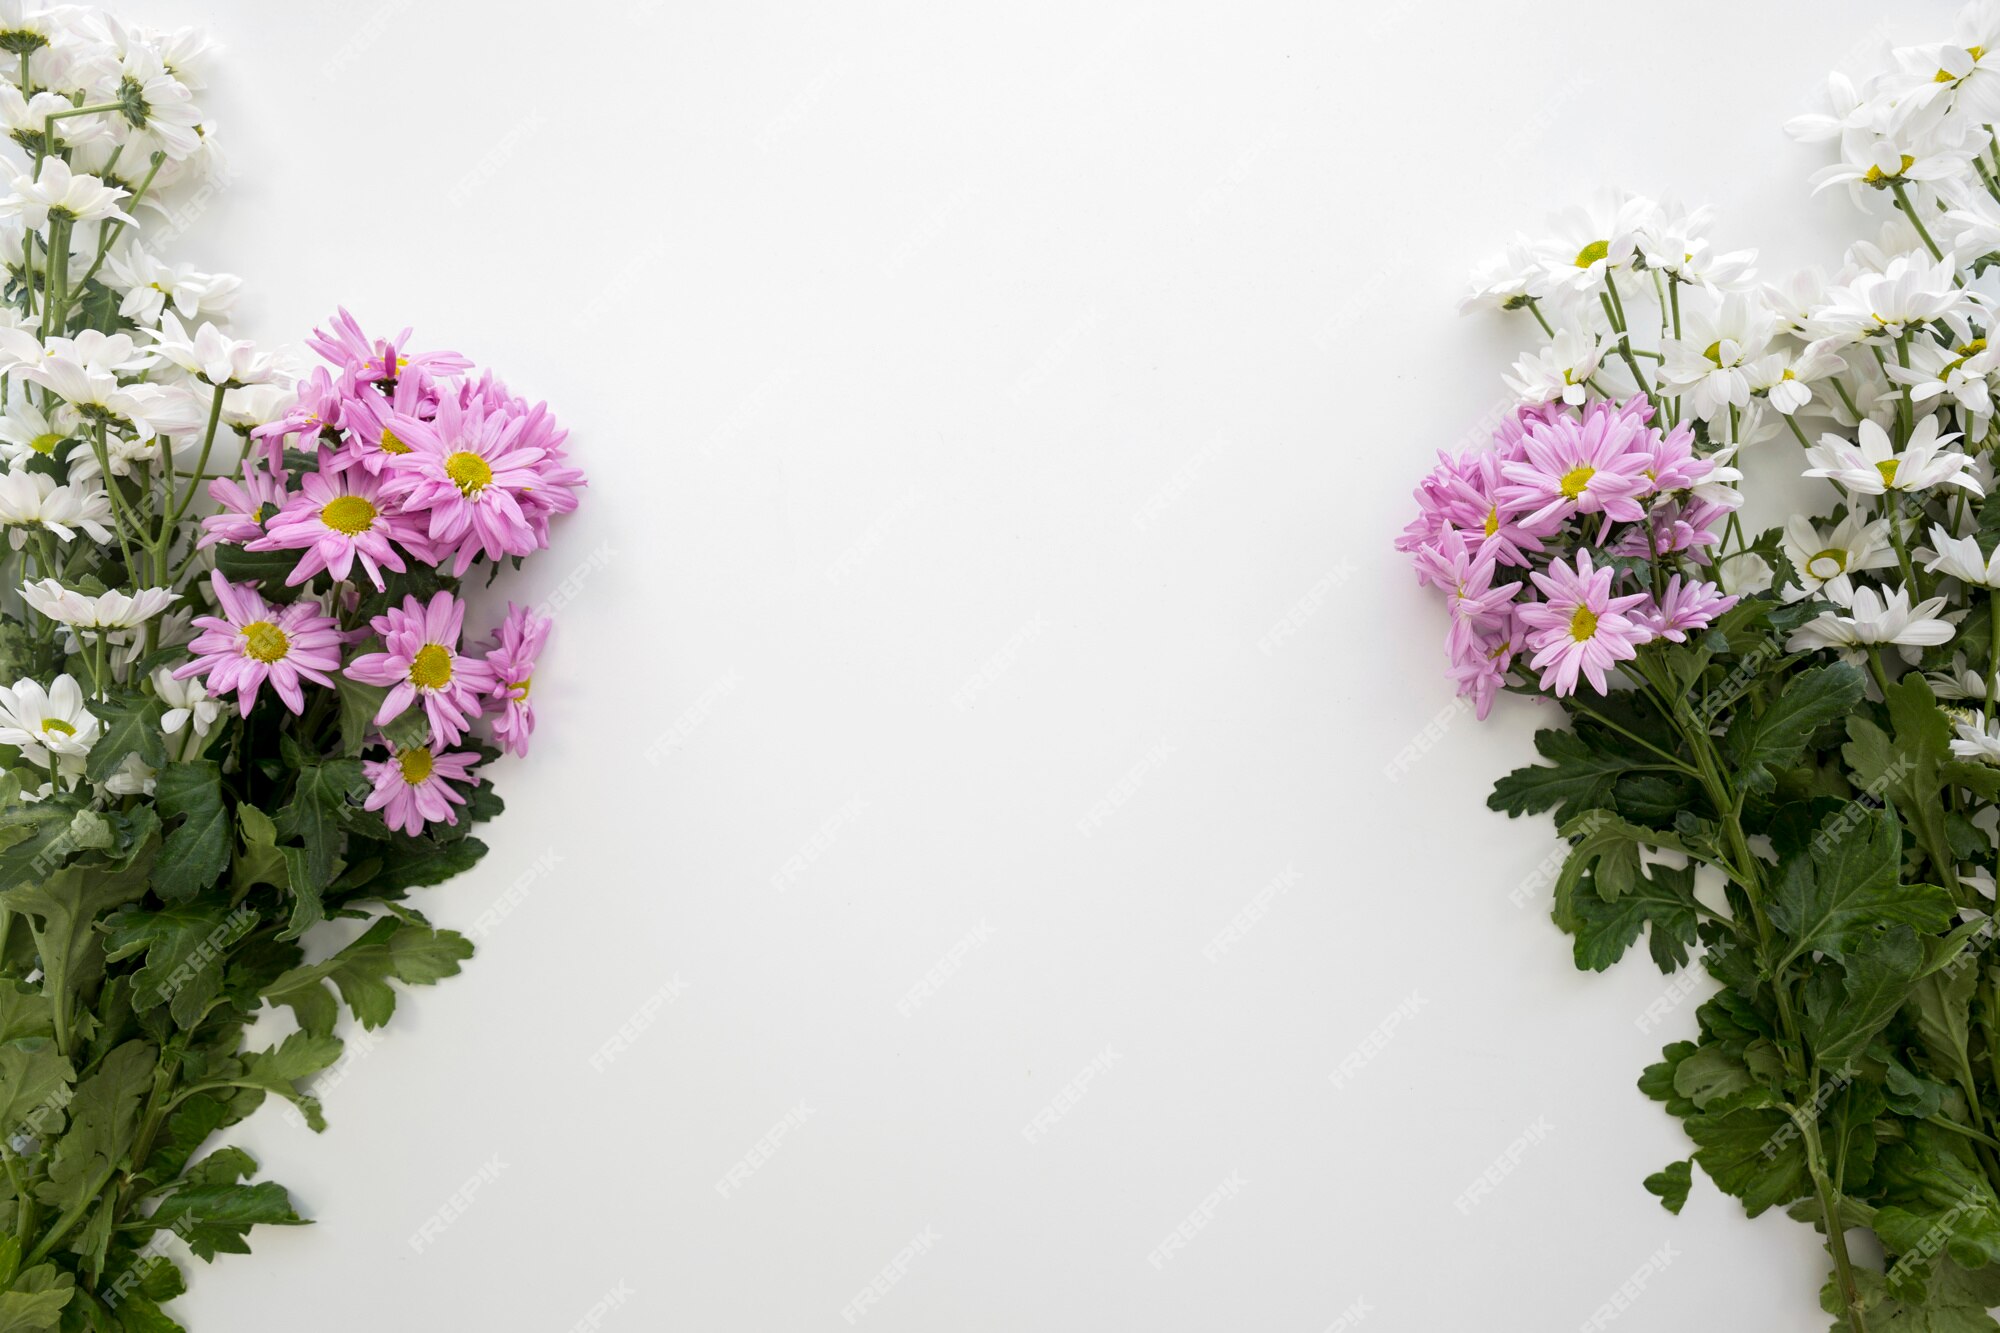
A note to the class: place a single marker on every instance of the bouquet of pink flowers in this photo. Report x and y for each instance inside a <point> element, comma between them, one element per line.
<point>244,698</point>
<point>1779,758</point>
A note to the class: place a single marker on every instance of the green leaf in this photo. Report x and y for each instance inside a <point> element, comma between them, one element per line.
<point>65,905</point>
<point>36,1300</point>
<point>131,726</point>
<point>1775,738</point>
<point>1576,778</point>
<point>214,1213</point>
<point>1754,1154</point>
<point>196,852</point>
<point>258,860</point>
<point>1831,896</point>
<point>298,1056</point>
<point>1844,1013</point>
<point>34,1087</point>
<point>104,1117</point>
<point>1664,899</point>
<point>389,949</point>
<point>1930,1194</point>
<point>358,705</point>
<point>185,947</point>
<point>1671,1184</point>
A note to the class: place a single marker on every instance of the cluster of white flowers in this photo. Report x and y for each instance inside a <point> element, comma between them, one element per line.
<point>1881,372</point>
<point>121,398</point>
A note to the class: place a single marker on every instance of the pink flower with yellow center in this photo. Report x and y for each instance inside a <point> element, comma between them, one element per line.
<point>421,661</point>
<point>1580,629</point>
<point>517,644</point>
<point>252,642</point>
<point>338,519</point>
<point>412,787</point>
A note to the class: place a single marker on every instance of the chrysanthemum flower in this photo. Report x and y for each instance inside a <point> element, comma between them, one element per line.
<point>413,787</point>
<point>1961,558</point>
<point>1871,465</point>
<point>1581,629</point>
<point>422,661</point>
<point>245,508</point>
<point>338,519</point>
<point>1478,608</point>
<point>252,642</point>
<point>1684,606</point>
<point>1825,562</point>
<point>1586,466</point>
<point>371,359</point>
<point>1876,618</point>
<point>368,412</point>
<point>468,471</point>
<point>49,727</point>
<point>516,646</point>
<point>30,500</point>
<point>107,610</point>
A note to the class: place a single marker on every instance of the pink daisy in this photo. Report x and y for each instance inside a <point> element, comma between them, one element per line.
<point>1466,578</point>
<point>317,409</point>
<point>512,658</point>
<point>374,359</point>
<point>1581,628</point>
<point>1683,607</point>
<point>469,472</point>
<point>422,662</point>
<point>368,415</point>
<point>337,519</point>
<point>252,642</point>
<point>1580,467</point>
<point>413,787</point>
<point>245,507</point>
<point>1481,668</point>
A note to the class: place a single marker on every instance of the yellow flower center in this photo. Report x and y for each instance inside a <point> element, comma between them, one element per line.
<point>1493,520</point>
<point>1583,624</point>
<point>1593,252</point>
<point>58,725</point>
<point>430,669</point>
<point>1828,563</point>
<point>392,445</point>
<point>1887,467</point>
<point>349,514</point>
<point>468,472</point>
<point>46,444</point>
<point>519,688</point>
<point>1714,351</point>
<point>265,641</point>
<point>1874,174</point>
<point>415,763</point>
<point>1576,479</point>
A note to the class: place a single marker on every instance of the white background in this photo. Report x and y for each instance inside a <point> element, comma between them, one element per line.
<point>1067,354</point>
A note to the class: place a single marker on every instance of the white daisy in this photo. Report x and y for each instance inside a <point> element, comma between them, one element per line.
<point>1872,466</point>
<point>1877,619</point>
<point>47,724</point>
<point>1961,558</point>
<point>212,356</point>
<point>1825,562</point>
<point>30,500</point>
<point>1559,371</point>
<point>57,192</point>
<point>107,610</point>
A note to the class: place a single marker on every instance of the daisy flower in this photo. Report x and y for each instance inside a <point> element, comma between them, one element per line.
<point>211,356</point>
<point>31,500</point>
<point>56,191</point>
<point>1871,466</point>
<point>1581,629</point>
<point>1978,741</point>
<point>516,646</point>
<point>107,610</point>
<point>25,430</point>
<point>1877,619</point>
<point>412,787</point>
<point>368,417</point>
<point>189,708</point>
<point>1713,363</point>
<point>1824,562</point>
<point>245,508</point>
<point>422,662</point>
<point>50,727</point>
<point>469,472</point>
<point>1961,558</point>
<point>1683,607</point>
<point>252,642</point>
<point>1580,467</point>
<point>1466,578</point>
<point>346,346</point>
<point>338,519</point>
<point>1559,372</point>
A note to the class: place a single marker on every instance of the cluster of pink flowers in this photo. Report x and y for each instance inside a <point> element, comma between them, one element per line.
<point>1507,534</point>
<point>417,464</point>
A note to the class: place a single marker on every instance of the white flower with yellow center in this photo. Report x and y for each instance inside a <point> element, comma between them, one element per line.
<point>47,725</point>
<point>1871,465</point>
<point>1826,562</point>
